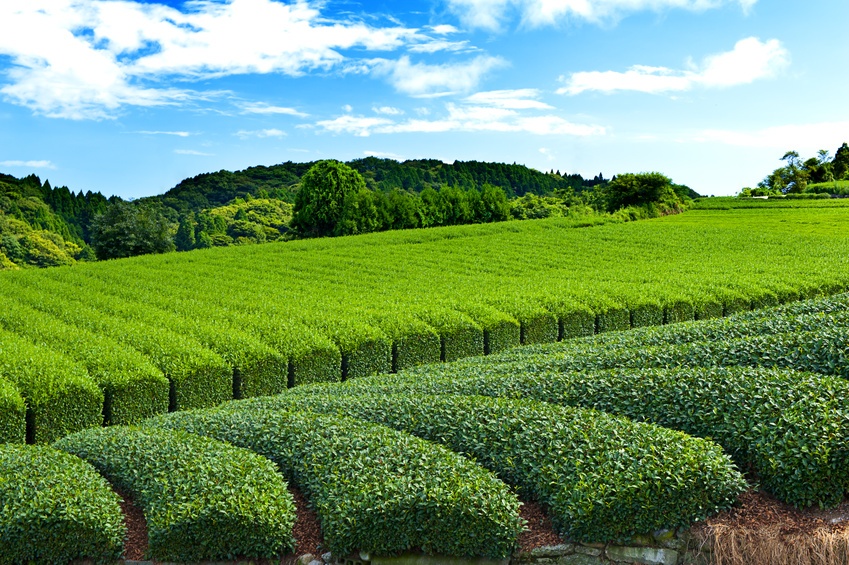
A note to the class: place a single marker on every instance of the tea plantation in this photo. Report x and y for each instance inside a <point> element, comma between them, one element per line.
<point>617,421</point>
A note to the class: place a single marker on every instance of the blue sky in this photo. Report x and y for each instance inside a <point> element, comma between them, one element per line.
<point>129,97</point>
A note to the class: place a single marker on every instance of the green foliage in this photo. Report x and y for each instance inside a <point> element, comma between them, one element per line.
<point>12,414</point>
<point>791,427</point>
<point>198,377</point>
<point>55,508</point>
<point>59,394</point>
<point>374,489</point>
<point>326,202</point>
<point>643,189</point>
<point>126,229</point>
<point>203,499</point>
<point>603,478</point>
<point>133,388</point>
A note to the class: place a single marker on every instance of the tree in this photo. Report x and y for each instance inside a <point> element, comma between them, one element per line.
<point>184,239</point>
<point>326,202</point>
<point>126,229</point>
<point>796,175</point>
<point>641,189</point>
<point>840,163</point>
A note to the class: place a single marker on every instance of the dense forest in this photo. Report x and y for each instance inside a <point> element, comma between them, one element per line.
<point>43,226</point>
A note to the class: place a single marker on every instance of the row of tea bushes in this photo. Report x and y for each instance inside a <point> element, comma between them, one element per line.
<point>602,477</point>
<point>374,489</point>
<point>791,427</point>
<point>55,508</point>
<point>225,323</point>
<point>133,388</point>
<point>203,499</point>
<point>60,395</point>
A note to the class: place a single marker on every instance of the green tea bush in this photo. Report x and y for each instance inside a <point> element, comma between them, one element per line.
<point>133,388</point>
<point>790,427</point>
<point>602,477</point>
<point>374,489</point>
<point>12,414</point>
<point>500,331</point>
<point>197,377</point>
<point>55,508</point>
<point>460,335</point>
<point>413,342</point>
<point>203,499</point>
<point>60,396</point>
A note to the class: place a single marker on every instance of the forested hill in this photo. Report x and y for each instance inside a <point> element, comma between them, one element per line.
<point>44,226</point>
<point>384,175</point>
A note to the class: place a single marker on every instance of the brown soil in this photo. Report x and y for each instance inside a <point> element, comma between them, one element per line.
<point>758,529</point>
<point>307,531</point>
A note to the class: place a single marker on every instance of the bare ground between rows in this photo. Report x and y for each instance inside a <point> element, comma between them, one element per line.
<point>758,530</point>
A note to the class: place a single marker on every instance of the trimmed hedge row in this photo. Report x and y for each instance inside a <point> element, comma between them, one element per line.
<point>13,410</point>
<point>133,388</point>
<point>374,489</point>
<point>203,499</point>
<point>603,477</point>
<point>55,508</point>
<point>60,396</point>
<point>257,369</point>
<point>198,377</point>
<point>793,428</point>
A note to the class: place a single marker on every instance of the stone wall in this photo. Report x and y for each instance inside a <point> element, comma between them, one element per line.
<point>664,547</point>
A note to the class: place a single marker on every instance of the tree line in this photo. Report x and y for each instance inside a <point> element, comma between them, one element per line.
<point>821,174</point>
<point>43,226</point>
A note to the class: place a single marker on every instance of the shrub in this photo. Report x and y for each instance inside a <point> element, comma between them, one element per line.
<point>12,414</point>
<point>60,396</point>
<point>460,335</point>
<point>133,388</point>
<point>413,342</point>
<point>55,508</point>
<point>791,427</point>
<point>374,489</point>
<point>203,499</point>
<point>603,477</point>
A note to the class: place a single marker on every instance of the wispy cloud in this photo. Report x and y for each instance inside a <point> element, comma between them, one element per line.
<point>464,117</point>
<point>192,152</point>
<point>273,132</point>
<point>750,60</point>
<point>177,133</point>
<point>384,155</point>
<point>28,164</point>
<point>522,99</point>
<point>492,14</point>
<point>268,109</point>
<point>387,110</point>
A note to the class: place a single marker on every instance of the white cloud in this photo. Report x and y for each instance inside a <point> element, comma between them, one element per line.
<point>177,133</point>
<point>28,164</point>
<point>807,139</point>
<point>443,29</point>
<point>421,79</point>
<point>492,14</point>
<point>85,59</point>
<point>387,110</point>
<point>261,108</point>
<point>192,152</point>
<point>522,99</point>
<point>273,132</point>
<point>462,118</point>
<point>436,45</point>
<point>360,126</point>
<point>750,60</point>
<point>384,155</point>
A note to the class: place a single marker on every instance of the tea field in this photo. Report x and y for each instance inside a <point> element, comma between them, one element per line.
<point>616,419</point>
